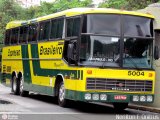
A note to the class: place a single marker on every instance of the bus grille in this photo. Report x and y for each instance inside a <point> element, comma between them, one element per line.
<point>120,85</point>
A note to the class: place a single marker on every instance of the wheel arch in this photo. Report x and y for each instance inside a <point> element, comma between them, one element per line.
<point>59,79</point>
<point>20,74</point>
<point>14,73</point>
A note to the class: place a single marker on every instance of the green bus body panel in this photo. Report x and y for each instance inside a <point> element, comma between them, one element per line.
<point>38,71</point>
<point>26,64</point>
<point>49,90</point>
<point>40,89</point>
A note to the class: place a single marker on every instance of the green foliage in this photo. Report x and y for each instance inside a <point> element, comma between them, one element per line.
<point>118,4</point>
<point>127,4</point>
<point>10,10</point>
<point>60,5</point>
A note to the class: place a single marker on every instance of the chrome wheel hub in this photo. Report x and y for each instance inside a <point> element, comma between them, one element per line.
<point>21,85</point>
<point>14,83</point>
<point>61,92</point>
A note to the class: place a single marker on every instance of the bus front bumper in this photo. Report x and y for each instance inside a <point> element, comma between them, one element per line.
<point>110,97</point>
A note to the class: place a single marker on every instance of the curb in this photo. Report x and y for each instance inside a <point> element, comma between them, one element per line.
<point>144,108</point>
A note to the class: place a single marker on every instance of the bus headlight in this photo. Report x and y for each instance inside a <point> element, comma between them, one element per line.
<point>103,97</point>
<point>135,98</point>
<point>142,98</point>
<point>95,96</point>
<point>149,98</point>
<point>87,96</point>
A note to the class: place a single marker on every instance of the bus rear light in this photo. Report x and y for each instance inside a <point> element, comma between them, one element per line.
<point>150,75</point>
<point>89,71</point>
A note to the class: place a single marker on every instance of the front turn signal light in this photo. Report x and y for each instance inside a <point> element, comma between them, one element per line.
<point>89,71</point>
<point>150,75</point>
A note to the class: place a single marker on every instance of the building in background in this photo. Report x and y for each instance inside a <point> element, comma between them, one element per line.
<point>29,3</point>
<point>154,9</point>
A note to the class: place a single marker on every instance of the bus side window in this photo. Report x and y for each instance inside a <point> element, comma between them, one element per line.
<point>7,37</point>
<point>23,34</point>
<point>73,26</point>
<point>15,36</point>
<point>56,28</point>
<point>44,30</point>
<point>32,36</point>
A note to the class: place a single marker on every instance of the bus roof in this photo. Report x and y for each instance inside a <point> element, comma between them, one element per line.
<point>74,12</point>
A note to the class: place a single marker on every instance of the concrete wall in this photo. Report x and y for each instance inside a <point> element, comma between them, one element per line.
<point>154,9</point>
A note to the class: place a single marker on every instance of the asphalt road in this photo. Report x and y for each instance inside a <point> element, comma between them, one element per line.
<point>41,107</point>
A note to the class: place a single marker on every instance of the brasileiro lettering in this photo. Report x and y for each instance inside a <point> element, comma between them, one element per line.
<point>52,50</point>
<point>14,52</point>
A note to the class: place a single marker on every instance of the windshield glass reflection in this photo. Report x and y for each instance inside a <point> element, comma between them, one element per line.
<point>99,49</point>
<point>137,53</point>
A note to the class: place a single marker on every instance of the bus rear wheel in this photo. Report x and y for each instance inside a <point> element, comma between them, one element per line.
<point>61,95</point>
<point>15,85</point>
<point>120,106</point>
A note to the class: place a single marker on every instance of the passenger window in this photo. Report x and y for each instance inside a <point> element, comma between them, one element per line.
<point>7,37</point>
<point>32,36</point>
<point>57,28</point>
<point>14,36</point>
<point>73,27</point>
<point>44,30</point>
<point>23,34</point>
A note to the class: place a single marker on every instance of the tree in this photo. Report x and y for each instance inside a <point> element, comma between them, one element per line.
<point>127,4</point>
<point>60,5</point>
<point>9,11</point>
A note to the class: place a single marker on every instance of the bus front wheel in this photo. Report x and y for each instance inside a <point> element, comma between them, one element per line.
<point>120,106</point>
<point>61,95</point>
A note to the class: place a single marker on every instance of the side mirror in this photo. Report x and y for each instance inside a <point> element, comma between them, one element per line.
<point>71,53</point>
<point>156,52</point>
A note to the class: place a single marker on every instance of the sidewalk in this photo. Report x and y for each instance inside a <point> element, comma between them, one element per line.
<point>144,108</point>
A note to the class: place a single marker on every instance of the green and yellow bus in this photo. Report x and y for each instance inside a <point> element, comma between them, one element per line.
<point>82,54</point>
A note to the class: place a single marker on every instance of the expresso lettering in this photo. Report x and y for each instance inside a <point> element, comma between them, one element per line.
<point>14,52</point>
<point>52,50</point>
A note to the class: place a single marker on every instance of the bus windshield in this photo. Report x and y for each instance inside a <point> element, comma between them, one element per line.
<point>137,53</point>
<point>98,49</point>
<point>104,35</point>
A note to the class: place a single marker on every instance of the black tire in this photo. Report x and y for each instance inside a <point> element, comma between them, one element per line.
<point>22,92</point>
<point>15,85</point>
<point>120,106</point>
<point>61,95</point>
